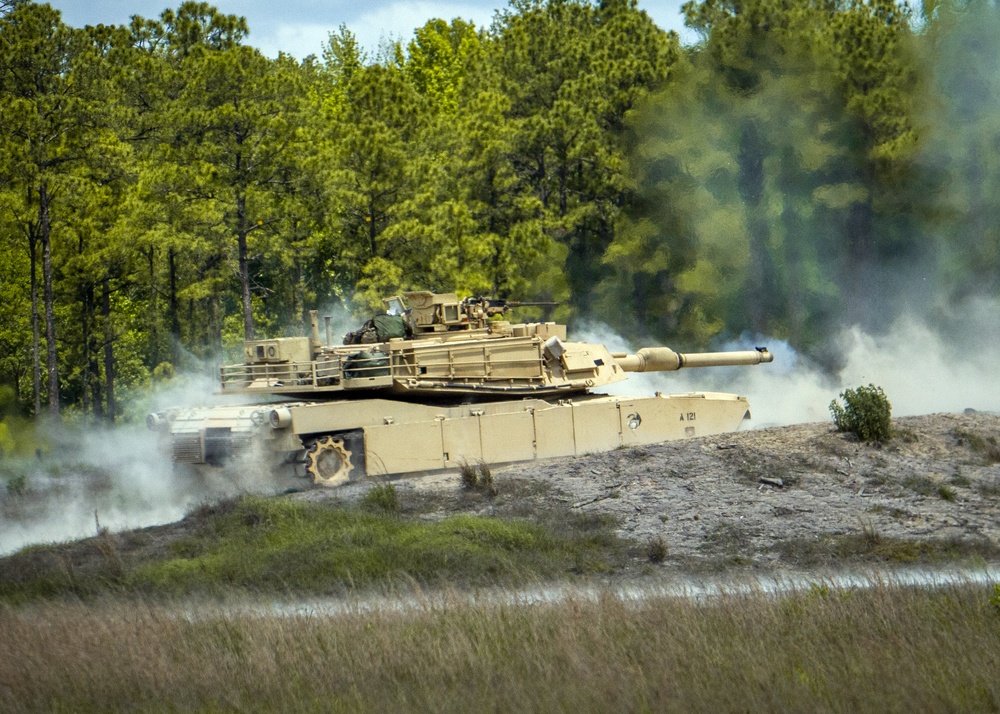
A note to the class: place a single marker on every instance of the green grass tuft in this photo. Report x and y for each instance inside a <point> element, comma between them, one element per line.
<point>656,549</point>
<point>282,545</point>
<point>921,485</point>
<point>870,546</point>
<point>381,498</point>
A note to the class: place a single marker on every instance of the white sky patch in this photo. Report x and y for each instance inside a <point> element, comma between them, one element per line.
<point>397,21</point>
<point>301,27</point>
<point>296,39</point>
<point>376,23</point>
<point>374,27</point>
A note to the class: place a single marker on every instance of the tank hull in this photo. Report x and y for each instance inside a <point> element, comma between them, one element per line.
<point>387,437</point>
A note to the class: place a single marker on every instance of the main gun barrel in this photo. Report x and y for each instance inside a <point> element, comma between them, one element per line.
<point>664,359</point>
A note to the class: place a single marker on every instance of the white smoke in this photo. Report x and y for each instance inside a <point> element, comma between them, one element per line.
<point>921,370</point>
<point>86,478</point>
<point>113,478</point>
<point>340,320</point>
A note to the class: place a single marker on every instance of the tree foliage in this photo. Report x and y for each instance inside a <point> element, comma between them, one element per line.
<point>167,190</point>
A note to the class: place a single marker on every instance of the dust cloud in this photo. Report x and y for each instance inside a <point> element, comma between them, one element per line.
<point>87,478</point>
<point>922,368</point>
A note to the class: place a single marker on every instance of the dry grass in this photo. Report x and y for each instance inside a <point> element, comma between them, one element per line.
<point>986,448</point>
<point>478,477</point>
<point>886,649</point>
<point>870,546</point>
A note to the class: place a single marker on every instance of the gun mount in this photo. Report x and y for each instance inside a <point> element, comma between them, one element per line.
<point>437,381</point>
<point>424,313</point>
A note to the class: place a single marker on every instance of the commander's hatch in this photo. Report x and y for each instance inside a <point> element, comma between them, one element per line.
<point>435,312</point>
<point>394,305</point>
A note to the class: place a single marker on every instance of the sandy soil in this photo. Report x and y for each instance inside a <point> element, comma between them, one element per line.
<point>741,493</point>
<point>754,499</point>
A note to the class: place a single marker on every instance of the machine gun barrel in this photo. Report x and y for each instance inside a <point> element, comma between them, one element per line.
<point>664,359</point>
<point>491,306</point>
<point>494,304</point>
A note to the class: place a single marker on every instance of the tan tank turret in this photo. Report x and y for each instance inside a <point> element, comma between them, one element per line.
<point>437,381</point>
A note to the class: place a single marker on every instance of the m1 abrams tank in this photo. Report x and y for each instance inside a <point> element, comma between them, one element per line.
<point>435,383</point>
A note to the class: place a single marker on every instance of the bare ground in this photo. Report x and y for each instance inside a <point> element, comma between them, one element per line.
<point>764,499</point>
<point>763,496</point>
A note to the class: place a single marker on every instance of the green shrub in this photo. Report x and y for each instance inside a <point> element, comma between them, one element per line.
<point>486,482</point>
<point>923,485</point>
<point>866,413</point>
<point>987,447</point>
<point>381,497</point>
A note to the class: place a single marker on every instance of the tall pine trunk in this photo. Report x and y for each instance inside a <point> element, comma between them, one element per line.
<point>861,287</point>
<point>45,230</point>
<point>242,231</point>
<point>154,332</point>
<point>109,353</point>
<point>36,337</point>
<point>175,308</point>
<point>298,298</point>
<point>86,363</point>
<point>760,283</point>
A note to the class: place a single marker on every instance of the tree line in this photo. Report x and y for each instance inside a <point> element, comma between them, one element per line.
<point>166,190</point>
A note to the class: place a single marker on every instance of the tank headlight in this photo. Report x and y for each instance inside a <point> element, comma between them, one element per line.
<point>155,422</point>
<point>280,418</point>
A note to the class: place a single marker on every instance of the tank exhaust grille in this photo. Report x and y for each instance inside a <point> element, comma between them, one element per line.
<point>186,449</point>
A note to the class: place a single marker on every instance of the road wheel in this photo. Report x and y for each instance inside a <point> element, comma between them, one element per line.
<point>328,462</point>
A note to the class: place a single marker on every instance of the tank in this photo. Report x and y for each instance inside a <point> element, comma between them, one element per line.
<point>434,383</point>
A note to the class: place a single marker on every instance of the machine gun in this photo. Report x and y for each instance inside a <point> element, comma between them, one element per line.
<point>423,312</point>
<point>492,306</point>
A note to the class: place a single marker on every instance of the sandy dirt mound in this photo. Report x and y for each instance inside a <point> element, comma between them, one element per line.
<point>738,495</point>
<point>766,498</point>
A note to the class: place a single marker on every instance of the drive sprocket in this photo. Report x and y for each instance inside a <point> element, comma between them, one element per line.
<point>328,462</point>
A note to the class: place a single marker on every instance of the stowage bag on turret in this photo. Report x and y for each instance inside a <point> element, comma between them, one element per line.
<point>389,326</point>
<point>366,364</point>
